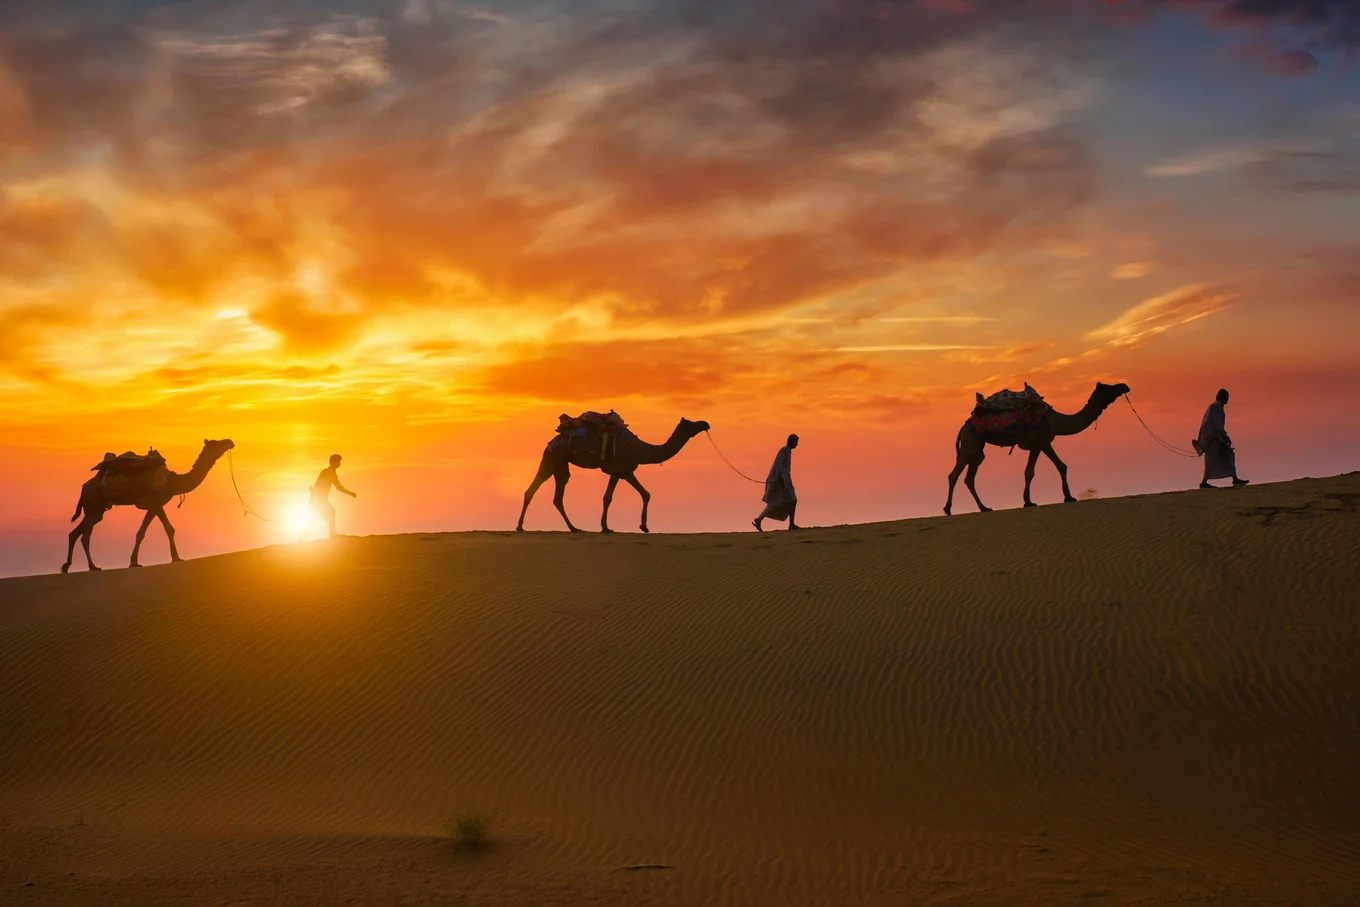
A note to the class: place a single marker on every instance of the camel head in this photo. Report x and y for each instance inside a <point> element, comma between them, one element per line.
<point>687,429</point>
<point>1105,394</point>
<point>213,450</point>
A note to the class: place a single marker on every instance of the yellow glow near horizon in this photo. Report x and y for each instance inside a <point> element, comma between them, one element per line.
<point>300,520</point>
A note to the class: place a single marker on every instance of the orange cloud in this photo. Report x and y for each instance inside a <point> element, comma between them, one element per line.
<point>39,230</point>
<point>305,325</point>
<point>23,329</point>
<point>435,171</point>
<point>1132,270</point>
<point>1162,313</point>
<point>590,373</point>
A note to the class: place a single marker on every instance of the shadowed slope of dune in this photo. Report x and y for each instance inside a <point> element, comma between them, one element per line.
<point>1137,700</point>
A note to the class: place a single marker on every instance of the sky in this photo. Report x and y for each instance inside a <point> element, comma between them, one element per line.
<point>414,232</point>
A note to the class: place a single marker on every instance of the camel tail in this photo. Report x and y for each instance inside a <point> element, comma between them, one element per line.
<point>80,505</point>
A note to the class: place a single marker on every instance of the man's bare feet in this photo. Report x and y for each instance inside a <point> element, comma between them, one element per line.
<point>756,523</point>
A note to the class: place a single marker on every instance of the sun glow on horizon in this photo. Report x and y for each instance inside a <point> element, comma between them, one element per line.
<point>299,521</point>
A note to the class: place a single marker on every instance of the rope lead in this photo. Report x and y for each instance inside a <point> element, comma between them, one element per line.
<point>231,467</point>
<point>1178,451</point>
<point>723,457</point>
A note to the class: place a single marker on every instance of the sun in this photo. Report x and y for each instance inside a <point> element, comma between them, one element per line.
<point>298,519</point>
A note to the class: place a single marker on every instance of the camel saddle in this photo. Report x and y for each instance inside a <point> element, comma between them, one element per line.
<point>1011,421</point>
<point>602,422</point>
<point>129,462</point>
<point>592,431</point>
<point>1008,401</point>
<point>129,474</point>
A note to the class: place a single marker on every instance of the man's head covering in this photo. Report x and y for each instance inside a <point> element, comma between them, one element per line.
<point>335,459</point>
<point>1222,395</point>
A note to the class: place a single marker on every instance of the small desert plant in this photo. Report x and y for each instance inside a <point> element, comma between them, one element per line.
<point>468,828</point>
<point>1089,494</point>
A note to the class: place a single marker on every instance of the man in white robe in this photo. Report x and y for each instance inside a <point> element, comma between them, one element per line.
<point>1213,443</point>
<point>780,499</point>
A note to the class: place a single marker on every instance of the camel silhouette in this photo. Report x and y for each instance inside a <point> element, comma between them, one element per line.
<point>93,503</point>
<point>631,453</point>
<point>970,446</point>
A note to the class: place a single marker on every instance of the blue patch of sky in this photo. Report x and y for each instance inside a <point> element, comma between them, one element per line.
<point>1176,89</point>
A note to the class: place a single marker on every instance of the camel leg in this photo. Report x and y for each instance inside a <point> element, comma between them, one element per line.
<point>953,478</point>
<point>545,471</point>
<point>71,546</point>
<point>970,451</point>
<point>85,543</point>
<point>141,534</point>
<point>608,499</point>
<point>1062,472</point>
<point>631,479</point>
<point>1029,474</point>
<point>170,534</point>
<point>968,481</point>
<point>562,475</point>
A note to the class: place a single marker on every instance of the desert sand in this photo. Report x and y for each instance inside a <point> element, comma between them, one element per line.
<point>1147,700</point>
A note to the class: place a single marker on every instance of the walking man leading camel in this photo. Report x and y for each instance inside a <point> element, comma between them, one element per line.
<point>1213,443</point>
<point>781,501</point>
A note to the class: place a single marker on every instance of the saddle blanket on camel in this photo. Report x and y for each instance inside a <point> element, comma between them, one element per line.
<point>592,433</point>
<point>130,473</point>
<point>1008,400</point>
<point>1009,412</point>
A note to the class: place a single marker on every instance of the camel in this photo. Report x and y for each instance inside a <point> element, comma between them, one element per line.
<point>93,504</point>
<point>557,462</point>
<point>970,446</point>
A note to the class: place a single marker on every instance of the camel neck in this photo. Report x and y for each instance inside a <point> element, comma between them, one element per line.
<point>187,482</point>
<point>654,453</point>
<point>1075,423</point>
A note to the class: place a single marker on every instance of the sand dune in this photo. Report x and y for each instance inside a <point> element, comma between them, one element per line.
<point>1140,700</point>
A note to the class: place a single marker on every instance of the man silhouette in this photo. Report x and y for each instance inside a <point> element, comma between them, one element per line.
<point>1213,443</point>
<point>321,490</point>
<point>781,501</point>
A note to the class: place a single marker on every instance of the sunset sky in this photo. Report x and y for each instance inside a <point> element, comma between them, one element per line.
<point>414,232</point>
